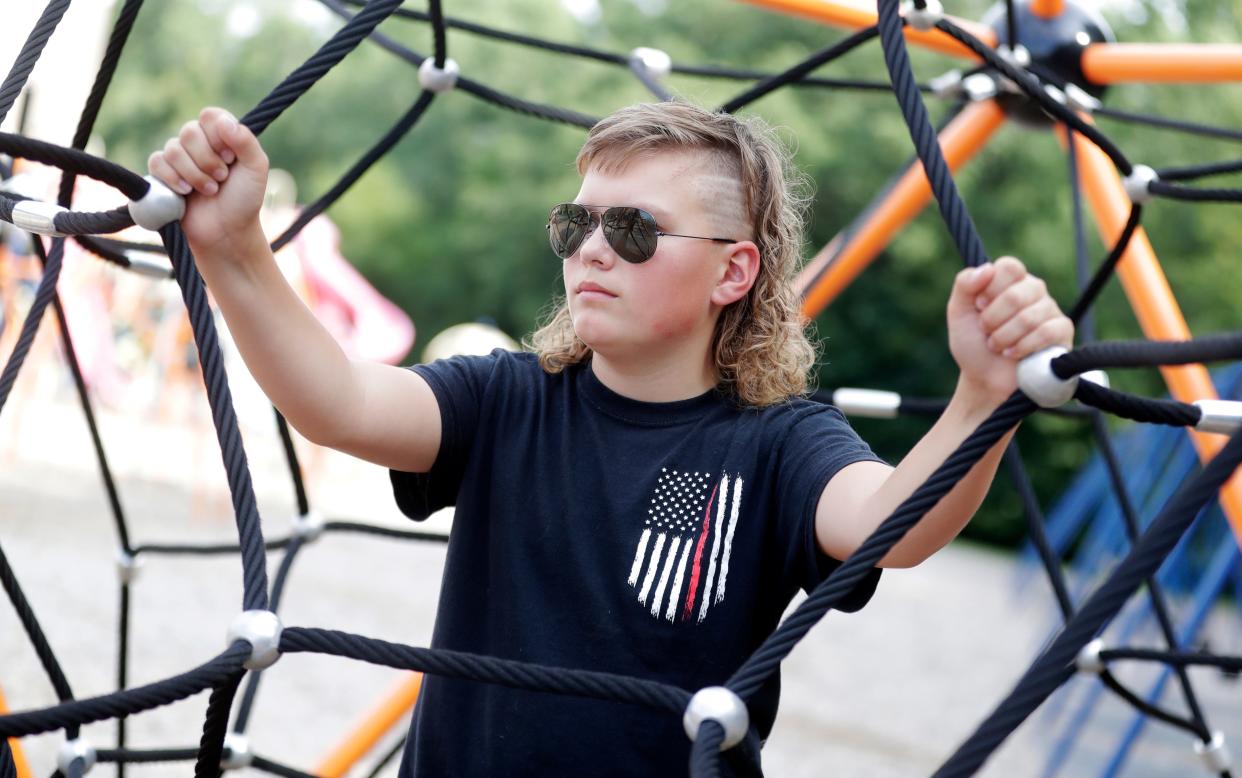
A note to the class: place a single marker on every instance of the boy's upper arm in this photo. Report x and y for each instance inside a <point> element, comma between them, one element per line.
<point>397,422</point>
<point>840,523</point>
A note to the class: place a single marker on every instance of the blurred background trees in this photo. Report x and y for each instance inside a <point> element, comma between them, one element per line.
<point>450,224</point>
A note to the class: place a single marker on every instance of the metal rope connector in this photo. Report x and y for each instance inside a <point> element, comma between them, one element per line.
<point>435,79</point>
<point>1089,660</point>
<point>152,266</point>
<point>261,629</point>
<point>658,63</point>
<point>1138,183</point>
<point>38,217</point>
<point>127,566</point>
<point>72,750</point>
<point>870,403</point>
<point>925,18</point>
<point>159,206</point>
<point>1045,388</point>
<point>1223,416</point>
<point>1215,753</point>
<point>308,526</point>
<point>721,705</point>
<point>237,753</point>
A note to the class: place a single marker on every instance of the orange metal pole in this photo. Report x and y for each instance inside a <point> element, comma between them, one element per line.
<point>368,732</point>
<point>834,267</point>
<point>857,16</point>
<point>1158,313</point>
<point>1188,63</point>
<point>1047,9</point>
<point>15,745</point>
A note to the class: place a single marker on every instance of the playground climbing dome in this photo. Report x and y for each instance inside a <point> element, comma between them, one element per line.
<point>1041,61</point>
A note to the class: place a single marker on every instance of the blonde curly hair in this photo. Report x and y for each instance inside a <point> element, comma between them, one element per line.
<point>760,348</point>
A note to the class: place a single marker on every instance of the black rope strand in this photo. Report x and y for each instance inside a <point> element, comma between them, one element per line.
<point>29,55</point>
<point>537,110</point>
<point>474,667</point>
<point>130,184</point>
<point>1055,664</point>
<point>224,417</point>
<point>801,70</point>
<point>127,701</point>
<point>278,589</point>
<point>1170,124</point>
<point>1170,413</point>
<point>215,727</point>
<point>329,54</point>
<point>1087,297</point>
<point>1039,534</point>
<point>145,756</point>
<point>1198,171</point>
<point>291,459</point>
<point>387,758</point>
<point>34,317</point>
<point>952,209</point>
<point>377,152</point>
<point>103,78</point>
<point>38,640</point>
<point>1034,90</point>
<point>755,671</point>
<point>1229,664</point>
<point>1147,709</point>
<point>1149,353</point>
<point>705,753</point>
<point>1198,723</point>
<point>275,768</point>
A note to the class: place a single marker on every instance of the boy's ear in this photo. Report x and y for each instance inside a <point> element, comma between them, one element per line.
<point>739,274</point>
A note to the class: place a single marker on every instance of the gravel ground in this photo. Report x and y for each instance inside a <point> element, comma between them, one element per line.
<point>890,691</point>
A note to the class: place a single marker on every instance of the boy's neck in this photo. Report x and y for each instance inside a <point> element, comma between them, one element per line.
<point>655,380</point>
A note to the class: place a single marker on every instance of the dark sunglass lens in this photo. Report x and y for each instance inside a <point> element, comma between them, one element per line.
<point>631,232</point>
<point>568,226</point>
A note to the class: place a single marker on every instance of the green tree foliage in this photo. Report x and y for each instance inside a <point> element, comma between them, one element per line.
<point>450,225</point>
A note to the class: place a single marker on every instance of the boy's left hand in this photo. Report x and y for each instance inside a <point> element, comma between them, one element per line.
<point>999,313</point>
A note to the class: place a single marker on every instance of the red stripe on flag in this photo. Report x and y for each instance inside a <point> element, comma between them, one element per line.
<point>698,556</point>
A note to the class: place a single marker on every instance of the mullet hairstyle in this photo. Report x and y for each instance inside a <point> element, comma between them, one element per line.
<point>760,347</point>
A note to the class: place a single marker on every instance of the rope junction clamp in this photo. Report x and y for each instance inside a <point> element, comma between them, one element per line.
<point>1097,377</point>
<point>721,705</point>
<point>237,753</point>
<point>1038,382</point>
<point>1215,753</point>
<point>1018,56</point>
<point>261,629</point>
<point>978,87</point>
<point>1223,416</point>
<point>869,403</point>
<point>1080,99</point>
<point>658,63</point>
<point>1089,660</point>
<point>308,526</point>
<point>947,85</point>
<point>159,206</point>
<point>127,566</point>
<point>925,18</point>
<point>435,79</point>
<point>72,750</point>
<point>1137,184</point>
<point>38,217</point>
<point>149,265</point>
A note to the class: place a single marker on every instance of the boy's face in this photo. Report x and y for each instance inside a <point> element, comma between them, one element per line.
<point>621,309</point>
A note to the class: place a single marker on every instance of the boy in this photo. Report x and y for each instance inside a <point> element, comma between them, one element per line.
<point>645,493</point>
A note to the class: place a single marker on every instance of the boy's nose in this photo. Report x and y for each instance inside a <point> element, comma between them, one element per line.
<point>596,251</point>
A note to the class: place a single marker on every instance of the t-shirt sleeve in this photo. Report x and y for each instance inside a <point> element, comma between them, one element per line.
<point>459,384</point>
<point>817,447</point>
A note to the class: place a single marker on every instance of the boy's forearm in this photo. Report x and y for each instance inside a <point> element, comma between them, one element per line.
<point>295,360</point>
<point>966,410</point>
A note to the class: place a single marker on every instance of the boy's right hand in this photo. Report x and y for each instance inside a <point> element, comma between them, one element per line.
<point>219,166</point>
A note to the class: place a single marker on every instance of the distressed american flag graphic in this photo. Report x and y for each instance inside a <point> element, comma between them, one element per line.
<point>681,562</point>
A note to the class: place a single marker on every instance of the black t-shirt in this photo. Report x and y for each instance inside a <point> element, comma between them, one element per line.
<point>592,531</point>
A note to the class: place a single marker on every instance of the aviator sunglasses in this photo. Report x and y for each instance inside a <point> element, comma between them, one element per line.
<point>631,232</point>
